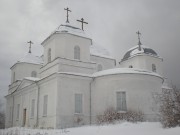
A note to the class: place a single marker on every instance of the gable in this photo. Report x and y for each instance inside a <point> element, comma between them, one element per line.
<point>24,84</point>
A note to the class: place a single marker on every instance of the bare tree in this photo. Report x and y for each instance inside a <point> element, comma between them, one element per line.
<point>170,107</point>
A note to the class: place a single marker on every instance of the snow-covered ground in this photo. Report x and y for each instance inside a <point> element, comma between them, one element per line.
<point>144,128</point>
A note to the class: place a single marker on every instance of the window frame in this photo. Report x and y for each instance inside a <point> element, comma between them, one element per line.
<point>49,55</point>
<point>99,67</point>
<point>33,74</point>
<point>123,104</point>
<point>18,112</point>
<point>45,105</point>
<point>154,69</point>
<point>79,109</point>
<point>77,52</point>
<point>32,108</point>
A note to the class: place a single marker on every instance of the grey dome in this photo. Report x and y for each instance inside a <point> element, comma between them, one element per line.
<point>135,50</point>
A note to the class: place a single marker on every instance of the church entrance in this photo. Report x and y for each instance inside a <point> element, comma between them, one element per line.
<point>24,117</point>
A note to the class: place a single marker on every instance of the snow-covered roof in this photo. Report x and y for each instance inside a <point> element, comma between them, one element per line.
<point>135,51</point>
<point>32,78</point>
<point>98,50</point>
<point>30,58</point>
<point>124,71</point>
<point>68,28</point>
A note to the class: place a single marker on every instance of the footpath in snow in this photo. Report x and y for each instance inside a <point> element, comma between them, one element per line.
<point>143,128</point>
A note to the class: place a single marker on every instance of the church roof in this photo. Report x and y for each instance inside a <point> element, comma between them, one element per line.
<point>68,28</point>
<point>116,71</point>
<point>30,58</point>
<point>135,51</point>
<point>100,51</point>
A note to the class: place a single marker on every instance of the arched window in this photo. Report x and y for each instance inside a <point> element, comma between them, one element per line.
<point>49,55</point>
<point>33,74</point>
<point>77,52</point>
<point>99,67</point>
<point>130,66</point>
<point>153,67</point>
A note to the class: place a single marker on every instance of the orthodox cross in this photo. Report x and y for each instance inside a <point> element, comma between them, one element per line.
<point>30,42</point>
<point>139,43</point>
<point>67,9</point>
<point>82,21</point>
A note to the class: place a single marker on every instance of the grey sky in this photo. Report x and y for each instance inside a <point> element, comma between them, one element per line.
<point>112,24</point>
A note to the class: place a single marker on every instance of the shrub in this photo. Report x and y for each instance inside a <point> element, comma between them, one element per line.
<point>111,115</point>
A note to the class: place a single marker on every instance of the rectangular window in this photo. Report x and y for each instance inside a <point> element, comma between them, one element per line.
<point>78,103</point>
<point>10,113</point>
<point>45,105</point>
<point>18,110</point>
<point>121,101</point>
<point>32,107</point>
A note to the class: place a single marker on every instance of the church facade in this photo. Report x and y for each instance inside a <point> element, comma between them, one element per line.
<point>76,80</point>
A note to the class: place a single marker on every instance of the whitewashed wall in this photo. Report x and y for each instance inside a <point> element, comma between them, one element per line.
<point>62,45</point>
<point>138,88</point>
<point>144,62</point>
<point>106,63</point>
<point>24,70</point>
<point>68,86</point>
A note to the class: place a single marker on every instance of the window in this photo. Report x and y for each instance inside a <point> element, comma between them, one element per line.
<point>14,77</point>
<point>18,109</point>
<point>45,105</point>
<point>32,107</point>
<point>130,66</point>
<point>33,74</point>
<point>99,67</point>
<point>49,55</point>
<point>153,67</point>
<point>10,113</point>
<point>78,103</point>
<point>121,101</point>
<point>77,52</point>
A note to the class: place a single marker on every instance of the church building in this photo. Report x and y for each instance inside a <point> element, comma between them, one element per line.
<point>76,80</point>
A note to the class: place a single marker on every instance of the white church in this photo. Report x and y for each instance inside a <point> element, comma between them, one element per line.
<point>75,80</point>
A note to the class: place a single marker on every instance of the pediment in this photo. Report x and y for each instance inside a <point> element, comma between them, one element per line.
<point>24,84</point>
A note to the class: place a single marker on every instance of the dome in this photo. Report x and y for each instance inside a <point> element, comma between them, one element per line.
<point>135,51</point>
<point>30,58</point>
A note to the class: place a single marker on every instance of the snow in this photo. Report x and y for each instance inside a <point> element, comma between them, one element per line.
<point>98,50</point>
<point>137,46</point>
<point>75,73</point>
<point>136,51</point>
<point>68,28</point>
<point>124,71</point>
<point>125,128</point>
<point>32,78</point>
<point>30,58</point>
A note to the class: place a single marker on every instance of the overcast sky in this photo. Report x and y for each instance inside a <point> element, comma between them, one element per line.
<point>112,24</point>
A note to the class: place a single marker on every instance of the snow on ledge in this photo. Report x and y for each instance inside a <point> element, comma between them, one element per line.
<point>32,78</point>
<point>124,71</point>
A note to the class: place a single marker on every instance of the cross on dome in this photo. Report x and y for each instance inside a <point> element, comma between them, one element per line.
<point>67,9</point>
<point>30,42</point>
<point>139,42</point>
<point>82,22</point>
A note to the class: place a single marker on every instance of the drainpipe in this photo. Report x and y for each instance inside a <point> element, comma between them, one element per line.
<point>37,109</point>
